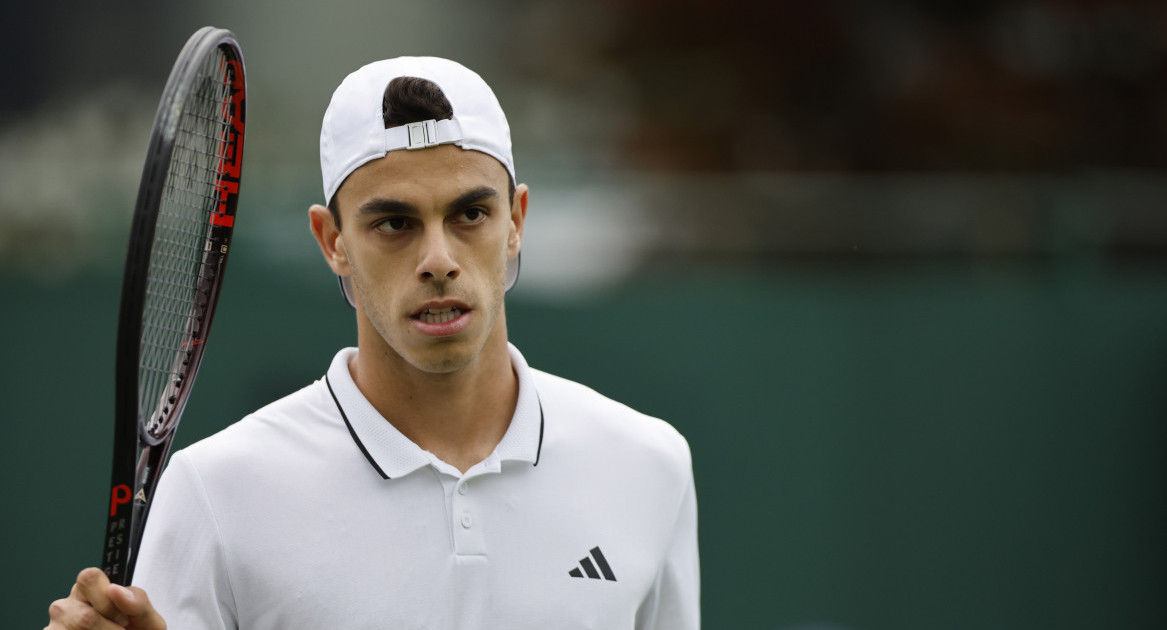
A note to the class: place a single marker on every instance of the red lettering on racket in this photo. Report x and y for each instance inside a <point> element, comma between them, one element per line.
<point>225,220</point>
<point>193,342</point>
<point>231,146</point>
<point>119,496</point>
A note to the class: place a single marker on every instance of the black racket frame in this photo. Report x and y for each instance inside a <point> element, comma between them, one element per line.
<point>139,454</point>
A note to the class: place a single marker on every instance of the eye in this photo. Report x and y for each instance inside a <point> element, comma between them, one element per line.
<point>473,215</point>
<point>392,224</point>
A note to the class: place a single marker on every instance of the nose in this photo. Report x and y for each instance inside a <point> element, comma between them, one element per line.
<point>436,259</point>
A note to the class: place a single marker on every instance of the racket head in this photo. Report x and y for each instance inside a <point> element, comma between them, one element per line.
<point>177,253</point>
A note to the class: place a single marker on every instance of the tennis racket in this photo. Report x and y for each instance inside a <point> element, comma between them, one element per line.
<point>177,253</point>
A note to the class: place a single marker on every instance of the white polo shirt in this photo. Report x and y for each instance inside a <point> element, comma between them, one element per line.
<point>315,512</point>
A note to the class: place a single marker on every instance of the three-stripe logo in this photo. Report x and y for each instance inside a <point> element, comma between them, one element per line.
<point>589,567</point>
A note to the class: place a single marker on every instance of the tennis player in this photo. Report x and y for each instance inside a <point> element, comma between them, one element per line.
<point>431,478</point>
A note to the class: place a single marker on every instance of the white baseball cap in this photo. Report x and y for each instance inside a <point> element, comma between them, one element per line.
<point>354,133</point>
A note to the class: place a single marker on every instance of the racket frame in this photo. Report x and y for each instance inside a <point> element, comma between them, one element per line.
<point>139,454</point>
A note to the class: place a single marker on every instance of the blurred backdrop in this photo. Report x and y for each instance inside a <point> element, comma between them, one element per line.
<point>898,270</point>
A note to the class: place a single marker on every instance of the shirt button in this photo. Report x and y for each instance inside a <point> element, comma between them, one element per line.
<point>466,520</point>
<point>462,489</point>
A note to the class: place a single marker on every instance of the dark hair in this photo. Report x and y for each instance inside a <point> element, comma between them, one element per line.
<point>408,100</point>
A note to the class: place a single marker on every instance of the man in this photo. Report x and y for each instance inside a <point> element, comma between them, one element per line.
<point>431,479</point>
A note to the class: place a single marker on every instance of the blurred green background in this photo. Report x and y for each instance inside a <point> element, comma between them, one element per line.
<point>897,271</point>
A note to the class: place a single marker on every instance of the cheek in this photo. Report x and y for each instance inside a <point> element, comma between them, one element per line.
<point>373,277</point>
<point>374,260</point>
<point>495,262</point>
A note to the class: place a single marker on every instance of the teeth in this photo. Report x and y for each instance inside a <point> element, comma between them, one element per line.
<point>439,315</point>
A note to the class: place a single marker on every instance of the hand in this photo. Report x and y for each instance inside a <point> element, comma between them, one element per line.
<point>95,604</point>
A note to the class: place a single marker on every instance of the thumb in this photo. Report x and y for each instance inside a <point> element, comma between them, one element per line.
<point>137,613</point>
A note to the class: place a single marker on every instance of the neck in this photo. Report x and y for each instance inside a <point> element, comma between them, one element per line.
<point>458,416</point>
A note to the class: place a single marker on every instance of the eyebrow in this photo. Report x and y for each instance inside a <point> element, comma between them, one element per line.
<point>380,206</point>
<point>386,206</point>
<point>474,195</point>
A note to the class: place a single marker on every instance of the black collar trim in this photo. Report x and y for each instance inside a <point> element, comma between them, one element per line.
<point>373,462</point>
<point>353,433</point>
<point>539,450</point>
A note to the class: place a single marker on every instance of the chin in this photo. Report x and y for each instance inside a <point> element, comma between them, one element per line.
<point>445,365</point>
<point>445,358</point>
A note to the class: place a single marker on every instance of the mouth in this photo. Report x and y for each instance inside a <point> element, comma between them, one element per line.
<point>438,315</point>
<point>441,318</point>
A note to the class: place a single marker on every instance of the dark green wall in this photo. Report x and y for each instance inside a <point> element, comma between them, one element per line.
<point>894,446</point>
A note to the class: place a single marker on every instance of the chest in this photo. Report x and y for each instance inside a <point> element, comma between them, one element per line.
<point>494,551</point>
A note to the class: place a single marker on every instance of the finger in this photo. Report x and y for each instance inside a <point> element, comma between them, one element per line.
<point>136,608</point>
<point>93,587</point>
<point>73,614</point>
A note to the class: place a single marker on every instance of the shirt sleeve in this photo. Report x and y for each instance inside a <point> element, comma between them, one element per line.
<point>181,564</point>
<point>674,602</point>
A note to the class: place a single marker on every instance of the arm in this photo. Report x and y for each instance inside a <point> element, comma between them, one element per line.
<point>95,604</point>
<point>674,602</point>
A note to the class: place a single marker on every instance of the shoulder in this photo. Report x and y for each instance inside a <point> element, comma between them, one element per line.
<point>582,418</point>
<point>294,426</point>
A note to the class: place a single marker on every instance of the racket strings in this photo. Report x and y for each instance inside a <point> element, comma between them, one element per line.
<point>177,288</point>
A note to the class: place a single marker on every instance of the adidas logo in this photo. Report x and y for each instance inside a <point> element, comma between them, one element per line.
<point>590,568</point>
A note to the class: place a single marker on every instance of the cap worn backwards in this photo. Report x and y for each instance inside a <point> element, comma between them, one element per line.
<point>354,133</point>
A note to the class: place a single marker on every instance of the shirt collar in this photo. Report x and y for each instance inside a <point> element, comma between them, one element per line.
<point>393,455</point>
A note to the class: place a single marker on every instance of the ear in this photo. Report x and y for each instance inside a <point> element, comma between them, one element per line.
<point>518,218</point>
<point>329,238</point>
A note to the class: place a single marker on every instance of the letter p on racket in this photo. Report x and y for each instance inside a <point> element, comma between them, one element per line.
<point>120,495</point>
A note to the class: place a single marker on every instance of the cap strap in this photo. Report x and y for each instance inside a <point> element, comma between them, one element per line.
<point>419,135</point>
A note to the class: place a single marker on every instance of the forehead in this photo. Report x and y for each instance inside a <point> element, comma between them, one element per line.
<point>435,174</point>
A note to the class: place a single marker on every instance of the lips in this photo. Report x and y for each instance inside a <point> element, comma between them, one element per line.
<point>441,318</point>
